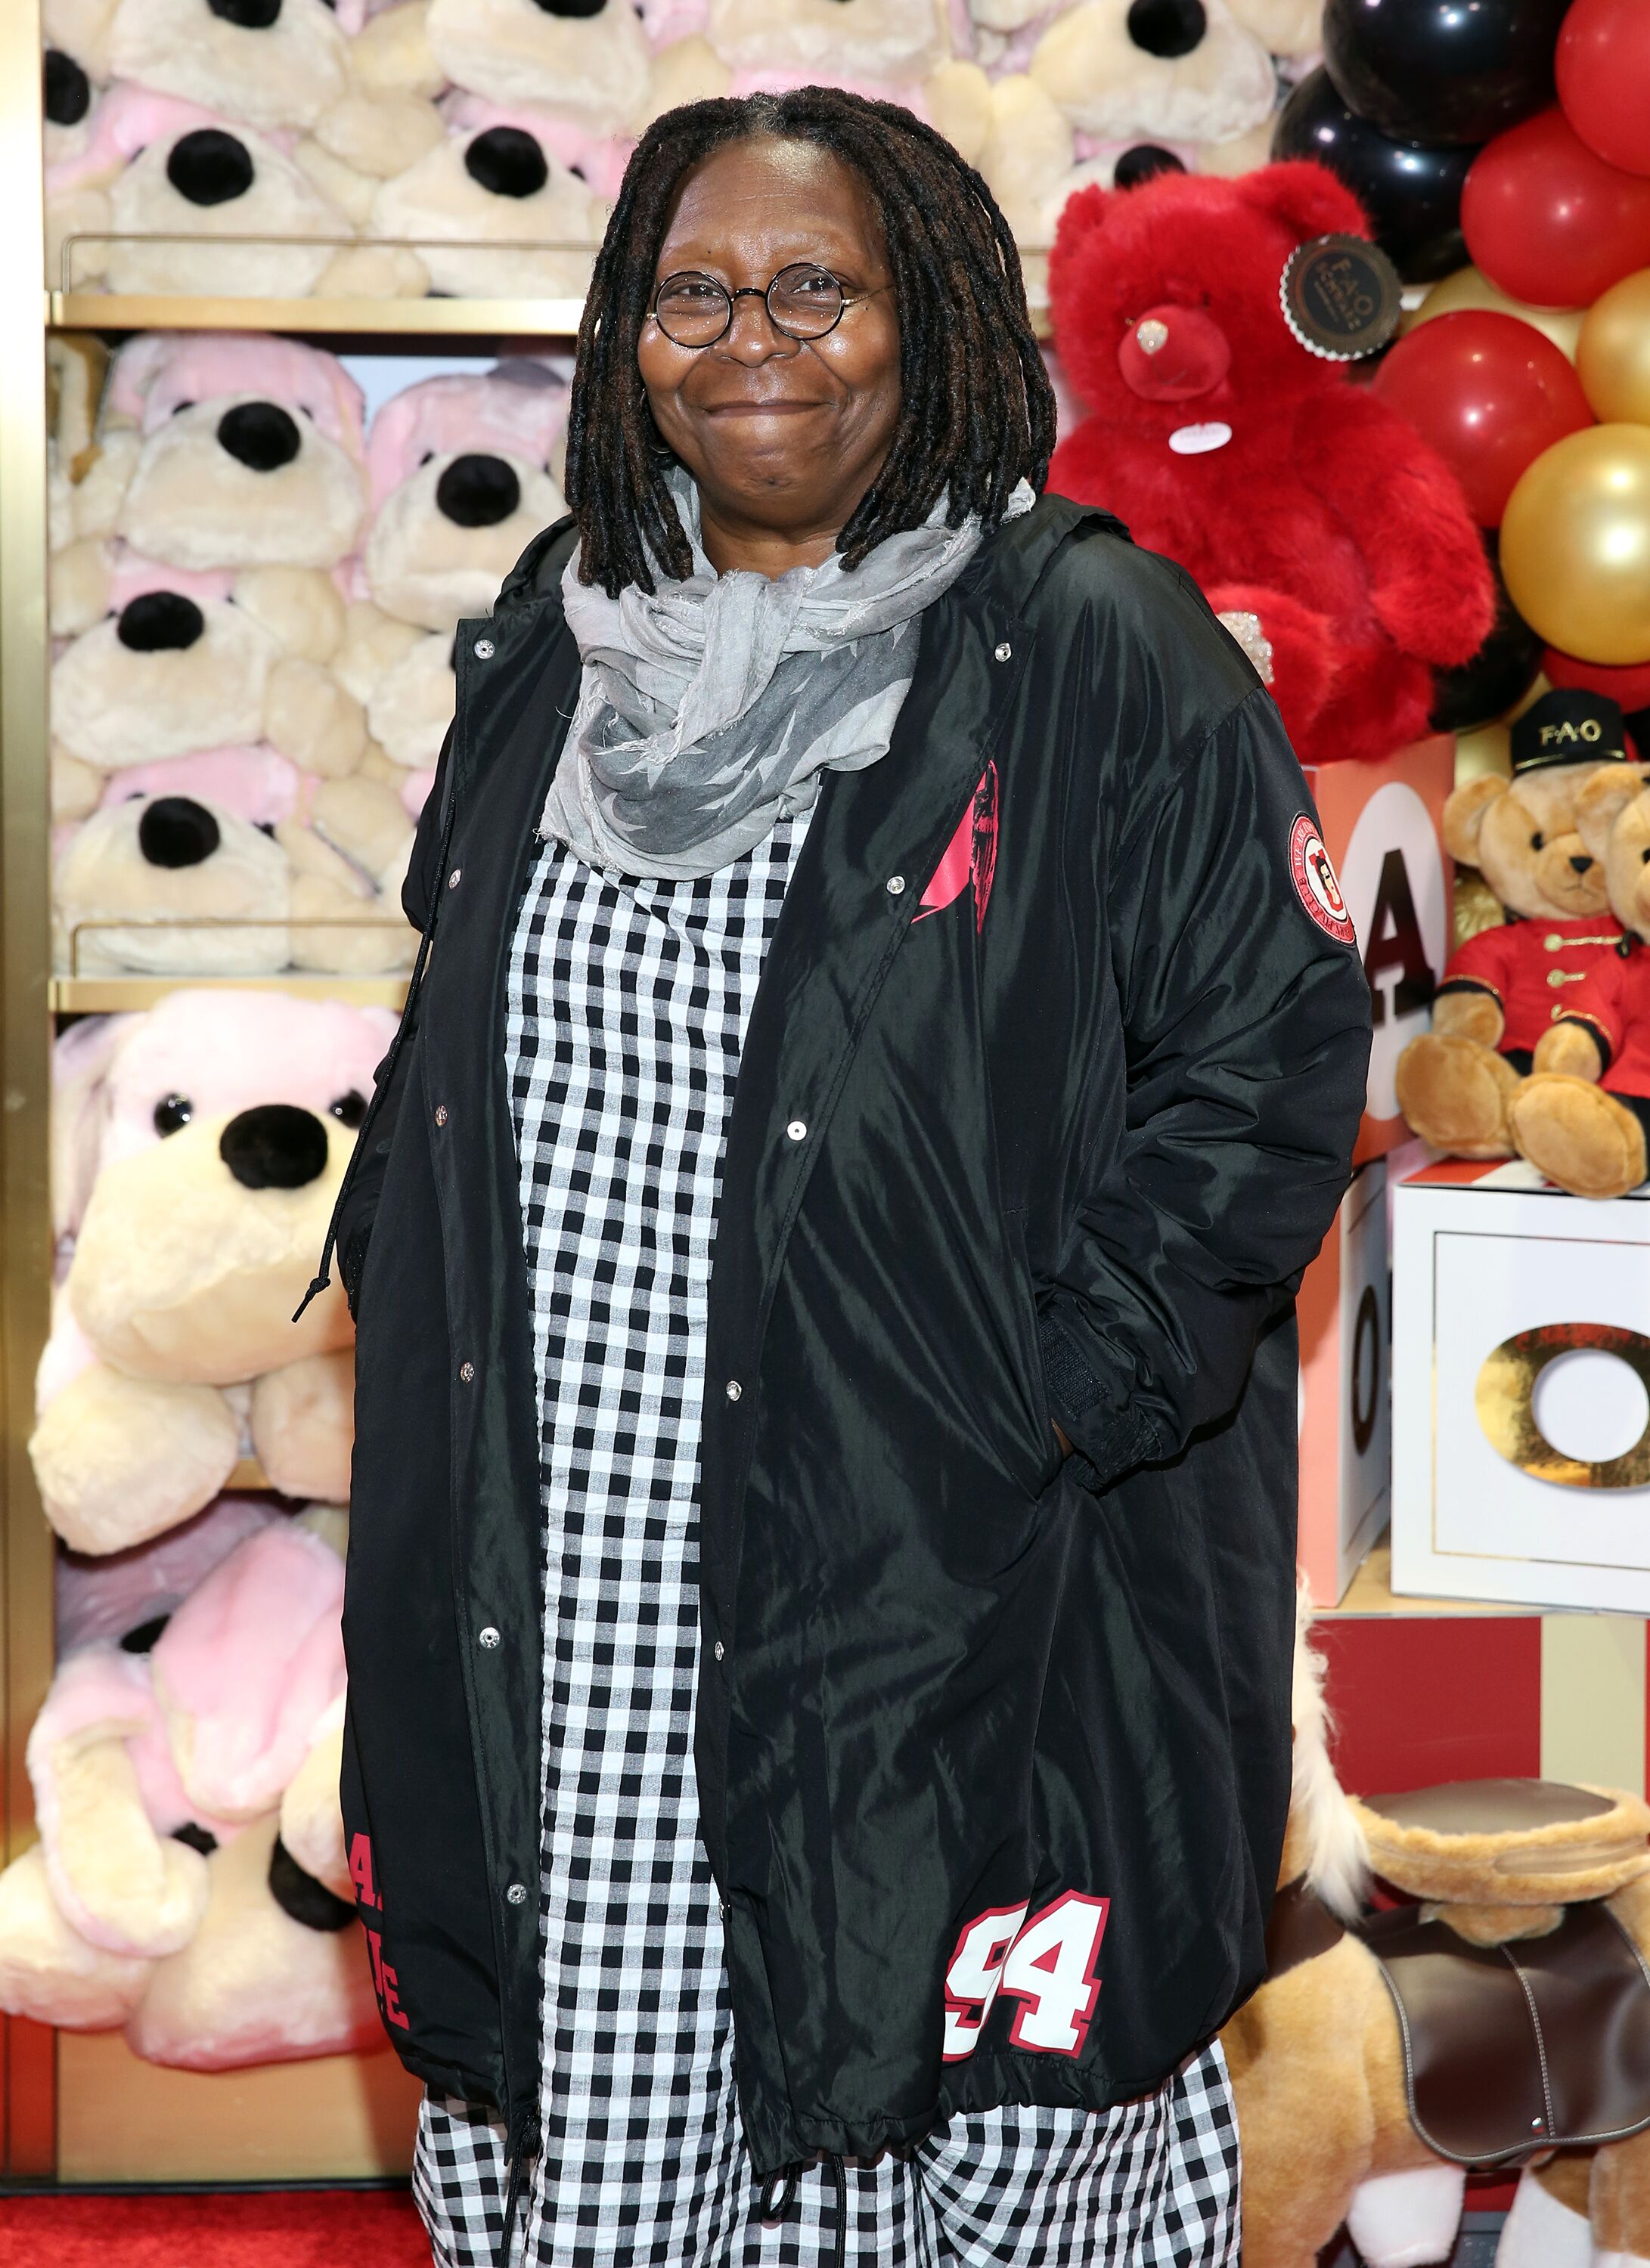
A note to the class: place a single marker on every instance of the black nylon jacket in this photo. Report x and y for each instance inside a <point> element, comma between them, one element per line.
<point>992,1753</point>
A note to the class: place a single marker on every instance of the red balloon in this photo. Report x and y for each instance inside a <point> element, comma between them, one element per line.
<point>1603,71</point>
<point>1548,221</point>
<point>1628,683</point>
<point>1490,394</point>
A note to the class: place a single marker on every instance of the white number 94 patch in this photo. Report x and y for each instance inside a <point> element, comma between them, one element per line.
<point>1046,1964</point>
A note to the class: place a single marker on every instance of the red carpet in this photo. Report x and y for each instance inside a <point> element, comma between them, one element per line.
<point>287,2228</point>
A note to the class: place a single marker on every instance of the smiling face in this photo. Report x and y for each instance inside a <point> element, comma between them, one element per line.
<point>782,435</point>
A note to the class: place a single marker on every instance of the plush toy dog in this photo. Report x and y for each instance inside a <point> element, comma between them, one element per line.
<point>1178,71</point>
<point>262,66</point>
<point>459,480</point>
<point>251,453</point>
<point>494,208</point>
<point>191,1724</point>
<point>1507,988</point>
<point>1338,2122</point>
<point>1583,1115</point>
<point>589,62</point>
<point>198,1151</point>
<point>1223,440</point>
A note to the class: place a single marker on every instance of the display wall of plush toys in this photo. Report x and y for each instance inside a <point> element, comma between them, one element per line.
<point>418,147</point>
<point>253,599</point>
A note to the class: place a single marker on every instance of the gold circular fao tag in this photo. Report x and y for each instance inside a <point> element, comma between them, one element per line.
<point>1504,1399</point>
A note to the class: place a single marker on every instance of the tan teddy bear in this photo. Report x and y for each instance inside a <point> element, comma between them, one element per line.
<point>1504,989</point>
<point>1582,1117</point>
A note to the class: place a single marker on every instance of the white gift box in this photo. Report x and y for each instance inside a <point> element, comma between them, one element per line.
<point>1345,1466</point>
<point>1521,1379</point>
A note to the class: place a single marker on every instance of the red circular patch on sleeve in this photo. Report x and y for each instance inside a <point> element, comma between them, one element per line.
<point>1315,880</point>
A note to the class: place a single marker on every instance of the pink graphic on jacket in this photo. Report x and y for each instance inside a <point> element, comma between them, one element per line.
<point>970,857</point>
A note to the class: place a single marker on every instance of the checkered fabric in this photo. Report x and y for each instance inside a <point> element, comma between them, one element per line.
<point>627,1002</point>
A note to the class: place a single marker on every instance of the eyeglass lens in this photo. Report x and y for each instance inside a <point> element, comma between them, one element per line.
<point>803,302</point>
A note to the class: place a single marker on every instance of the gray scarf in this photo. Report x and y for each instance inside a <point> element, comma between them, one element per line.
<point>707,712</point>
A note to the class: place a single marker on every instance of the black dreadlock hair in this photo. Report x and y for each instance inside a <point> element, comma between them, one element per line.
<point>976,413</point>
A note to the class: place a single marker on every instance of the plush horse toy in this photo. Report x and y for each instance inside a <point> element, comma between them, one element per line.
<point>1503,2020</point>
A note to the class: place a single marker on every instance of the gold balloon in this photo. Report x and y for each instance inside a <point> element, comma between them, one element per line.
<point>1613,360</point>
<point>1466,288</point>
<point>1485,753</point>
<point>1575,544</point>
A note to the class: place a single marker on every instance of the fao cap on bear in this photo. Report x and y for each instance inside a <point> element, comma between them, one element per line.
<point>1567,727</point>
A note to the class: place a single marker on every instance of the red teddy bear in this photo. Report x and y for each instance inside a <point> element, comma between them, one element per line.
<point>1221,438</point>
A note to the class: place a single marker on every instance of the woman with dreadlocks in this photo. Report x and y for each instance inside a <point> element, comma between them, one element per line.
<point>821,1582</point>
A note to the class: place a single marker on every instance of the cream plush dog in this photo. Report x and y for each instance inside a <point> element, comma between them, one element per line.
<point>185,1776</point>
<point>496,208</point>
<point>460,483</point>
<point>588,63</point>
<point>198,1150</point>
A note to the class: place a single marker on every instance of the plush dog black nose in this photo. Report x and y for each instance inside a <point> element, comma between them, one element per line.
<point>67,89</point>
<point>177,831</point>
<point>301,1897</point>
<point>572,7</point>
<point>1141,163</point>
<point>159,621</point>
<point>477,491</point>
<point>260,435</point>
<point>1167,27</point>
<point>1581,865</point>
<point>274,1146</point>
<point>506,162</point>
<point>250,15</point>
<point>209,167</point>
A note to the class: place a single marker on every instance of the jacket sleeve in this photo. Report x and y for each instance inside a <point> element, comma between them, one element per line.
<point>358,1203</point>
<point>1246,1042</point>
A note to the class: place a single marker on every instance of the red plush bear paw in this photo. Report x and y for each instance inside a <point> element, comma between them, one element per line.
<point>1304,661</point>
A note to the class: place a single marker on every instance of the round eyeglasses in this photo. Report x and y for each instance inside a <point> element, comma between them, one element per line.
<point>804,301</point>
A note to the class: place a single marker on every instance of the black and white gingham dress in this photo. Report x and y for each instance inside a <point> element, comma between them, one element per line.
<point>628,1002</point>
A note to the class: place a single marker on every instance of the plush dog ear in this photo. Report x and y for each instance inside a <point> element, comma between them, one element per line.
<point>1603,798</point>
<point>80,1068</point>
<point>1305,197</point>
<point>1463,815</point>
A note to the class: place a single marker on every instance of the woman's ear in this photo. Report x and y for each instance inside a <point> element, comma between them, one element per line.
<point>1464,817</point>
<point>1602,800</point>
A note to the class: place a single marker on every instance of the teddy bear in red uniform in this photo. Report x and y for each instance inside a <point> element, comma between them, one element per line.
<point>1584,1114</point>
<point>1206,324</point>
<point>1460,1085</point>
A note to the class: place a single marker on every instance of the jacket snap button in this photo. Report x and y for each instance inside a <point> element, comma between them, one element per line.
<point>441,1114</point>
<point>896,883</point>
<point>467,1372</point>
<point>1537,2125</point>
<point>517,1894</point>
<point>452,879</point>
<point>725,1910</point>
<point>1003,651</point>
<point>734,1390</point>
<point>797,1131</point>
<point>489,1639</point>
<point>483,649</point>
<point>719,1650</point>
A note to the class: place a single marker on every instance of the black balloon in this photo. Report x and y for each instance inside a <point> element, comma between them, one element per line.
<point>1411,194</point>
<point>1500,673</point>
<point>1442,70</point>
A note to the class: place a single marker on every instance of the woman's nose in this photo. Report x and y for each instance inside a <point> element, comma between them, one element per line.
<point>1173,353</point>
<point>752,336</point>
